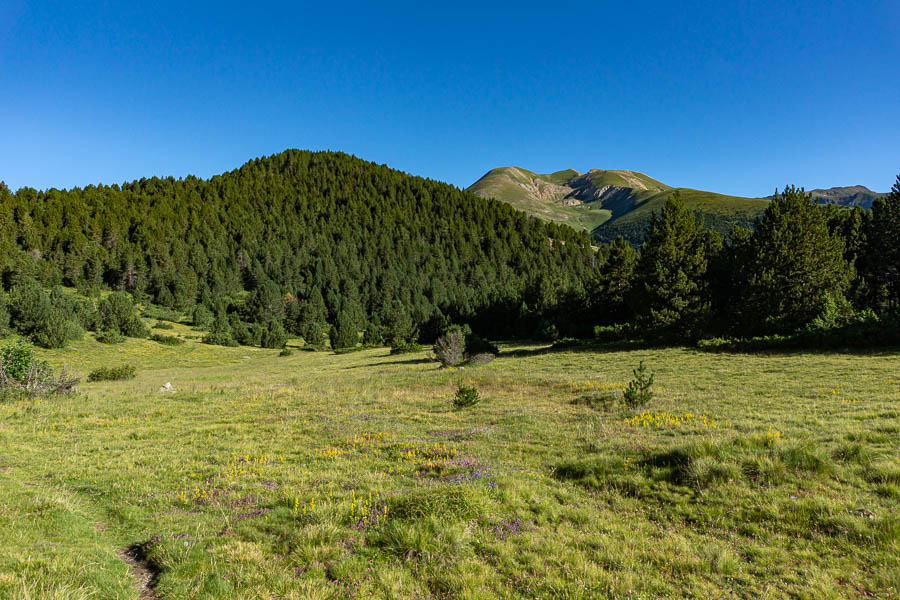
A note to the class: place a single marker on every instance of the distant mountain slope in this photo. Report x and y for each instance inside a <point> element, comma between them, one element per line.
<point>582,200</point>
<point>720,212</point>
<point>608,203</point>
<point>853,195</point>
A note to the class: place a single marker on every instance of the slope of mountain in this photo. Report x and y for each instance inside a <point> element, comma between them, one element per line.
<point>582,200</point>
<point>720,212</point>
<point>608,203</point>
<point>853,195</point>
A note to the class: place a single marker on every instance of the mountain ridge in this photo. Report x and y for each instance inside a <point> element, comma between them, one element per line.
<point>612,202</point>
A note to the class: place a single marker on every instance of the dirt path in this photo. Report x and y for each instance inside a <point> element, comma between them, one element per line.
<point>143,572</point>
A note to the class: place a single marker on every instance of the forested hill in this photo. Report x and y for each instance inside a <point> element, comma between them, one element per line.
<point>336,233</point>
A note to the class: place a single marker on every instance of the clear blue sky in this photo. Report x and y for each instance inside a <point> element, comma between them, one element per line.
<point>735,97</point>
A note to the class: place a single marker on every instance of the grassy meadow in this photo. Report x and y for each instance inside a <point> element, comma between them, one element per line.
<point>318,475</point>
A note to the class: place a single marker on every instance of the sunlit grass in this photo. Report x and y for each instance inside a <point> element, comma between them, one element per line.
<point>322,475</point>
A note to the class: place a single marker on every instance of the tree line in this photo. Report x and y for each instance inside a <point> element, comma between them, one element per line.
<point>326,246</point>
<point>801,268</point>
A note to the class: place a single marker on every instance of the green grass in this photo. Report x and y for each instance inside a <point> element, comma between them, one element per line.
<point>320,475</point>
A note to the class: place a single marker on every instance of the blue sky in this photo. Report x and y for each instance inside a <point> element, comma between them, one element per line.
<point>734,97</point>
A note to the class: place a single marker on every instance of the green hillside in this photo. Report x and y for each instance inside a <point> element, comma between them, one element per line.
<point>608,203</point>
<point>582,200</point>
<point>719,212</point>
<point>541,195</point>
<point>339,235</point>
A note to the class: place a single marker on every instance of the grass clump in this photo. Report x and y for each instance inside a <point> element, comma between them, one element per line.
<point>455,502</point>
<point>119,373</point>
<point>465,396</point>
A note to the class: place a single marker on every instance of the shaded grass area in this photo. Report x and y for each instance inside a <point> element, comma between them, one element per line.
<point>321,475</point>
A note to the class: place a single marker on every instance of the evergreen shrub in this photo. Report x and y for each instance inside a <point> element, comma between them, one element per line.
<point>119,373</point>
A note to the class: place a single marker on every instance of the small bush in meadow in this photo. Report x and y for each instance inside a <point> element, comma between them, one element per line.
<point>113,373</point>
<point>117,311</point>
<point>638,392</point>
<point>163,325</point>
<point>22,374</point>
<point>153,311</point>
<point>285,352</point>
<point>110,336</point>
<point>465,396</point>
<point>475,344</point>
<point>401,347</point>
<point>168,340</point>
<point>17,358</point>
<point>450,348</point>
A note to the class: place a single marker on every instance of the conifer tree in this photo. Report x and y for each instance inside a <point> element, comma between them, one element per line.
<point>613,283</point>
<point>344,333</point>
<point>670,287</point>
<point>792,269</point>
<point>883,249</point>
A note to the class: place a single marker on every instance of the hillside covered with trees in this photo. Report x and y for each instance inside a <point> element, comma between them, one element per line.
<point>294,243</point>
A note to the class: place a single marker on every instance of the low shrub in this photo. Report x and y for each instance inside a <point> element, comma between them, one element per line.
<point>567,343</point>
<point>168,340</point>
<point>119,373</point>
<point>219,338</point>
<point>17,358</point>
<point>450,348</point>
<point>117,311</point>
<point>401,347</point>
<point>163,325</point>
<point>610,333</point>
<point>546,331</point>
<point>110,336</point>
<point>475,345</point>
<point>459,345</point>
<point>153,311</point>
<point>285,352</point>
<point>22,374</point>
<point>465,396</point>
<point>480,359</point>
<point>273,335</point>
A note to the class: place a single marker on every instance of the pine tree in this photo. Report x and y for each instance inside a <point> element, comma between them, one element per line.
<point>344,333</point>
<point>883,249</point>
<point>4,315</point>
<point>613,284</point>
<point>792,269</point>
<point>669,294</point>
